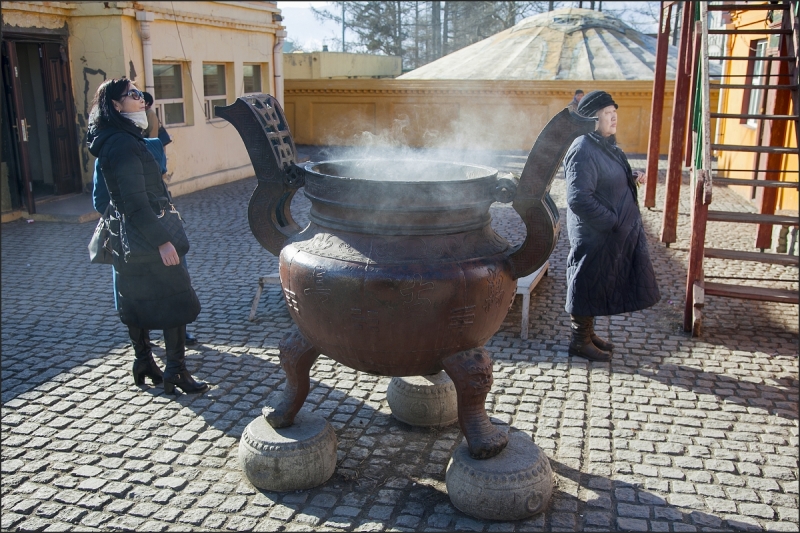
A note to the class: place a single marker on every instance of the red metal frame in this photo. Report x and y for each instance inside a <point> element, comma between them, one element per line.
<point>657,109</point>
<point>669,221</point>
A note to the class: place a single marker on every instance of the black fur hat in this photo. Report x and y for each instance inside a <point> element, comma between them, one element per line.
<point>594,102</point>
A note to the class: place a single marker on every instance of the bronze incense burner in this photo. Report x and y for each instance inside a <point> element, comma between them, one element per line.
<point>399,272</point>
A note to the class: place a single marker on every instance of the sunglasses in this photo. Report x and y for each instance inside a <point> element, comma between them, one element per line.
<point>134,93</point>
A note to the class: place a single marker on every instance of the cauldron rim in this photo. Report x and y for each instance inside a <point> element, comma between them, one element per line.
<point>488,172</point>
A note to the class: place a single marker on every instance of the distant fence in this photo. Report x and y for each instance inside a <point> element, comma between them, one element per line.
<point>456,113</point>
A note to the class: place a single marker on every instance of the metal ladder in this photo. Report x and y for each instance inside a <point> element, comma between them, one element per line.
<point>779,83</point>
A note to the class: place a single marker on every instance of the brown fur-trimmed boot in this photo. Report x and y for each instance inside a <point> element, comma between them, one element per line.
<point>581,344</point>
<point>603,344</point>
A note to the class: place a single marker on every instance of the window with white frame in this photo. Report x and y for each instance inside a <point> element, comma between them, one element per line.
<point>252,78</point>
<point>214,90</point>
<point>758,78</point>
<point>168,86</point>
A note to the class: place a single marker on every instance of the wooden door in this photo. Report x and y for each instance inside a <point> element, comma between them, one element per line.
<point>60,118</point>
<point>20,124</point>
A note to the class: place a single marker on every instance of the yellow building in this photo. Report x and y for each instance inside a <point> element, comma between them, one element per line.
<point>339,65</point>
<point>190,55</point>
<point>755,101</point>
<point>461,114</point>
<point>495,94</point>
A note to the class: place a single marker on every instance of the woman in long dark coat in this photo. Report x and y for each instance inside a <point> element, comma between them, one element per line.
<point>608,268</point>
<point>156,294</point>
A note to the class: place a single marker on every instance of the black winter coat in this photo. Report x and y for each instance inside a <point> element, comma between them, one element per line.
<point>150,295</point>
<point>608,268</point>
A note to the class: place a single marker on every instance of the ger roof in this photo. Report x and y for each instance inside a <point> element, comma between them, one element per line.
<point>564,44</point>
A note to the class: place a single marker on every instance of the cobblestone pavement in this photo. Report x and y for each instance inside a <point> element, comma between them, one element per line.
<point>675,434</point>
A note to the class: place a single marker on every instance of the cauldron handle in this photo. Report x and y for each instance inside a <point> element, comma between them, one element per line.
<point>532,200</point>
<point>262,125</point>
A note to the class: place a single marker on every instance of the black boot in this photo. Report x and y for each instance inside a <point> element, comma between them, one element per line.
<point>143,365</point>
<point>597,341</point>
<point>581,344</point>
<point>176,375</point>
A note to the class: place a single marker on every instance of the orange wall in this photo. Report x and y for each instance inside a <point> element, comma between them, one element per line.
<point>733,132</point>
<point>456,113</point>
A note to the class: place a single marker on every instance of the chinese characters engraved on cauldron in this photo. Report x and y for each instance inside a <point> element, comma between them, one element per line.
<point>462,317</point>
<point>412,289</point>
<point>317,289</point>
<point>291,300</point>
<point>496,291</point>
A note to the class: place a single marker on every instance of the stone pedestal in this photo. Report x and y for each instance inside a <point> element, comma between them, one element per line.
<point>297,457</point>
<point>515,484</point>
<point>428,401</point>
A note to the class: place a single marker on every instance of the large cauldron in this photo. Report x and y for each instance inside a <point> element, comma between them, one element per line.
<point>399,272</point>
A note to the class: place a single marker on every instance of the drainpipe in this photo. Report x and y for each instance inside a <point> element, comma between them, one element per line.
<point>277,60</point>
<point>145,18</point>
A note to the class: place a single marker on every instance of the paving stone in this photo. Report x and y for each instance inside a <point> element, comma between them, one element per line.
<point>468,524</point>
<point>33,524</point>
<point>173,483</point>
<point>87,471</point>
<point>676,434</point>
<point>756,510</point>
<point>49,510</point>
<point>632,524</point>
<point>232,504</point>
<point>166,514</point>
<point>282,512</point>
<point>96,519</point>
<point>124,523</point>
<point>194,517</point>
<point>95,502</point>
<point>71,514</point>
<point>344,510</point>
<point>214,520</point>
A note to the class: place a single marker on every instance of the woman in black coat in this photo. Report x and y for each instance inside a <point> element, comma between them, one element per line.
<point>156,294</point>
<point>608,268</point>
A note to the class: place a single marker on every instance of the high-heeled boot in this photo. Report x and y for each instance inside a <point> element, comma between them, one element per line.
<point>176,374</point>
<point>581,344</point>
<point>144,365</point>
<point>597,341</point>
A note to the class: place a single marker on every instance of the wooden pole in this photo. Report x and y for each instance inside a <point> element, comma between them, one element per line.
<point>688,149</point>
<point>669,220</point>
<point>657,107</point>
<point>702,194</point>
<point>696,247</point>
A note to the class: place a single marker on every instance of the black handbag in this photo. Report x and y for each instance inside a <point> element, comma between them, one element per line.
<point>163,136</point>
<point>135,246</point>
<point>101,251</point>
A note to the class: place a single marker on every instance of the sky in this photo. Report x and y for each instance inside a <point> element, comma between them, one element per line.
<point>305,30</point>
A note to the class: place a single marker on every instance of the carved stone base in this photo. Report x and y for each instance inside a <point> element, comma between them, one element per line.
<point>426,401</point>
<point>298,457</point>
<point>515,484</point>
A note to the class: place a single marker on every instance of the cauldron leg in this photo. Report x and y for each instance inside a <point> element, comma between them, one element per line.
<point>471,372</point>
<point>297,355</point>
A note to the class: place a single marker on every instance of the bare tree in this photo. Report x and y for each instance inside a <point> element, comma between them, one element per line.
<point>421,32</point>
<point>641,16</point>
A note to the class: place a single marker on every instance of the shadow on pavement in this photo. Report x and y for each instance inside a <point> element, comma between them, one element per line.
<point>597,500</point>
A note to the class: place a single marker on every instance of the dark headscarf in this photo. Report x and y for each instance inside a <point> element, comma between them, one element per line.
<point>594,102</point>
<point>589,106</point>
